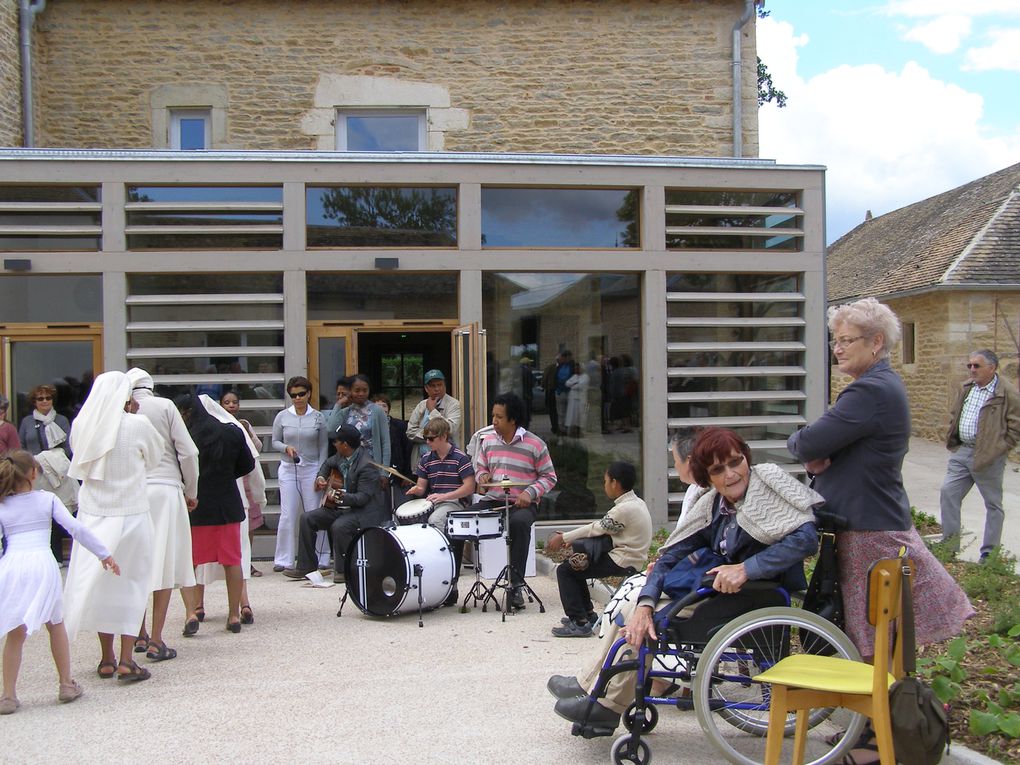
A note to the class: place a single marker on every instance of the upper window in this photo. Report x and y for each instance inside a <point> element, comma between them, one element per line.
<point>380,130</point>
<point>190,129</point>
<point>577,217</point>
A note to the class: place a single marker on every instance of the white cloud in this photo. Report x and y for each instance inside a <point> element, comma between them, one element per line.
<point>941,35</point>
<point>929,8</point>
<point>888,138</point>
<point>1002,53</point>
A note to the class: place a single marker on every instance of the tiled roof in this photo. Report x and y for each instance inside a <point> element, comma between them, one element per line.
<point>969,235</point>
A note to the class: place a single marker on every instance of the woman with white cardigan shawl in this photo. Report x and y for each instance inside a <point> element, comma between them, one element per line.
<point>113,451</point>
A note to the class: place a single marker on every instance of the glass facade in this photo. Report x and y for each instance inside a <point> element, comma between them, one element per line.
<point>535,217</point>
<point>364,296</point>
<point>381,216</point>
<point>51,299</point>
<point>733,220</point>
<point>569,346</point>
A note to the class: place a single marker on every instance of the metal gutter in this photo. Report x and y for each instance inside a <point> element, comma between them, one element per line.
<point>390,158</point>
<point>27,11</point>
<point>738,104</point>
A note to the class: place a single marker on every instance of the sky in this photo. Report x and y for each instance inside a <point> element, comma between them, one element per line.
<point>899,99</point>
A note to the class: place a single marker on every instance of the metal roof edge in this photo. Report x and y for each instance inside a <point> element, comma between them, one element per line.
<point>620,160</point>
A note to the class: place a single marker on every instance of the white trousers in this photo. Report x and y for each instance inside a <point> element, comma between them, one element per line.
<point>297,496</point>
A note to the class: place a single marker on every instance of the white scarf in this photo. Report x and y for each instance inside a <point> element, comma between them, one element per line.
<point>95,429</point>
<point>256,478</point>
<point>55,435</point>
<point>774,505</point>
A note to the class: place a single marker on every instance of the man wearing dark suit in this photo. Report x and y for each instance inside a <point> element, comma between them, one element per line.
<point>360,504</point>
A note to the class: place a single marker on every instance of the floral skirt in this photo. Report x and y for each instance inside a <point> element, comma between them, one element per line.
<point>940,605</point>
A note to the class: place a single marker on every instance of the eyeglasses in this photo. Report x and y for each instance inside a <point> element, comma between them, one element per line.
<point>721,468</point>
<point>298,393</point>
<point>431,438</point>
<point>974,366</point>
<point>44,398</point>
<point>844,342</point>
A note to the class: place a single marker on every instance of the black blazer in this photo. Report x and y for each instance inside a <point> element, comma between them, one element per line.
<point>219,501</point>
<point>363,493</point>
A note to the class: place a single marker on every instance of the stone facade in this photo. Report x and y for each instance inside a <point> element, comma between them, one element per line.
<point>948,325</point>
<point>568,76</point>
<point>10,75</point>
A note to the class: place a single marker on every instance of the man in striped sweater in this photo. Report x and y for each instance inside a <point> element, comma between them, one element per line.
<point>511,452</point>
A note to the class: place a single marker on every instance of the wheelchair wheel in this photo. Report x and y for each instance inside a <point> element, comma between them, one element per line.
<point>628,752</point>
<point>733,711</point>
<point>651,718</point>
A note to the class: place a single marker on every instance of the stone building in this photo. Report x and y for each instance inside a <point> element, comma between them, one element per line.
<point>231,193</point>
<point>949,266</point>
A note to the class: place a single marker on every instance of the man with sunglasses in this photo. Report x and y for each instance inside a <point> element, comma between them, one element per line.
<point>446,478</point>
<point>985,426</point>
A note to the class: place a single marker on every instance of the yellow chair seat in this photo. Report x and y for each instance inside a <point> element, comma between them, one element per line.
<point>822,673</point>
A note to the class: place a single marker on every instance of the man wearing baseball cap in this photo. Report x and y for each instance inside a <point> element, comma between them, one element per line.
<point>436,404</point>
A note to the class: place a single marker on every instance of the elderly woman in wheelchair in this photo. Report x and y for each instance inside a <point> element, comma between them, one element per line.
<point>749,532</point>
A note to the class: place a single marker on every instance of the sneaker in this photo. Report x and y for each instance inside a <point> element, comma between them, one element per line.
<point>9,706</point>
<point>517,599</point>
<point>338,578</point>
<point>572,629</point>
<point>278,568</point>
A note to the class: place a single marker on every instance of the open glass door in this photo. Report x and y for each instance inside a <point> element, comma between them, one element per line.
<point>331,355</point>
<point>468,381</point>
<point>68,359</point>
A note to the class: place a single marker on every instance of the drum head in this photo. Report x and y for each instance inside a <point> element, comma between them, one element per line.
<point>377,572</point>
<point>413,511</point>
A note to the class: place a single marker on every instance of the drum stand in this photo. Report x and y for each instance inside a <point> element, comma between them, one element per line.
<point>478,591</point>
<point>505,579</point>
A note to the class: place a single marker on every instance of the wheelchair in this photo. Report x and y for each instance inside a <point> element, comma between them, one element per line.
<point>713,645</point>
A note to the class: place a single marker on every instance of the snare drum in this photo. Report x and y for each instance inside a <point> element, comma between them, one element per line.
<point>413,511</point>
<point>474,524</point>
<point>380,569</point>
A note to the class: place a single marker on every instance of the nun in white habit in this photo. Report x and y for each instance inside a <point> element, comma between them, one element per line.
<point>207,573</point>
<point>113,451</point>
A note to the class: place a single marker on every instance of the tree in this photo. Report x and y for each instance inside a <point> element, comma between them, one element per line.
<point>767,91</point>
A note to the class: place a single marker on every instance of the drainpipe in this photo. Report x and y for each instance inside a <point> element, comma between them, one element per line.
<point>28,11</point>
<point>738,110</point>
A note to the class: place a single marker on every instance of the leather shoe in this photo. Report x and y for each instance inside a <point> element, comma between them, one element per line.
<point>563,687</point>
<point>517,599</point>
<point>296,573</point>
<point>452,598</point>
<point>576,710</point>
<point>278,568</point>
<point>338,578</point>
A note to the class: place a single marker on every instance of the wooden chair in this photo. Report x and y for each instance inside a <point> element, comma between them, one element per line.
<point>803,682</point>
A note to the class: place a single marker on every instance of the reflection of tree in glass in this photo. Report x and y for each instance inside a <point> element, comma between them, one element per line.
<point>629,213</point>
<point>391,208</point>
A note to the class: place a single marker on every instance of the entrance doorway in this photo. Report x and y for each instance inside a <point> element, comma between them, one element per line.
<point>396,363</point>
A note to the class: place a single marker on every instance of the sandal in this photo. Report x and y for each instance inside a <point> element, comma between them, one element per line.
<point>865,751</point>
<point>111,665</point>
<point>247,615</point>
<point>159,652</point>
<point>234,627</point>
<point>200,613</point>
<point>137,674</point>
<point>69,692</point>
<point>190,627</point>
<point>141,644</point>
<point>255,571</point>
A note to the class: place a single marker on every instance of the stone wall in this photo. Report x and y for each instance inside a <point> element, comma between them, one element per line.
<point>588,76</point>
<point>10,75</point>
<point>948,326</point>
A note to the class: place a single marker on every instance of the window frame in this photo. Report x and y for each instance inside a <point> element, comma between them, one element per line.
<point>177,115</point>
<point>419,112</point>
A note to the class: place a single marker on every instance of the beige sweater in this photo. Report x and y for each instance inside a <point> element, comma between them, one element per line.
<point>630,525</point>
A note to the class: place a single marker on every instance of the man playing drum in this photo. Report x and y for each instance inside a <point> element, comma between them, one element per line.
<point>446,478</point>
<point>521,459</point>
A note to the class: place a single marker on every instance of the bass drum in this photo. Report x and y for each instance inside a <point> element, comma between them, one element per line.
<point>383,567</point>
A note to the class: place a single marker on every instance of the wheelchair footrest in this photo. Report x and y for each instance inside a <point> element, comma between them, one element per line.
<point>591,730</point>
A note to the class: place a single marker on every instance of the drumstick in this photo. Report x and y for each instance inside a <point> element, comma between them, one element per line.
<point>393,472</point>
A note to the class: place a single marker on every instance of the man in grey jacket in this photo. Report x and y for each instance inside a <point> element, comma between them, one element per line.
<point>985,426</point>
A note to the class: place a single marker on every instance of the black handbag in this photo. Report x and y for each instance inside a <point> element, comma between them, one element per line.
<point>823,596</point>
<point>920,728</point>
<point>588,550</point>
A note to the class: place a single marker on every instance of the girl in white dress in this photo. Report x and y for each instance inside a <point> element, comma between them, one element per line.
<point>30,587</point>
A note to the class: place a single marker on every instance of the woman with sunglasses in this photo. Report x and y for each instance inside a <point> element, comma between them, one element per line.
<point>299,432</point>
<point>40,432</point>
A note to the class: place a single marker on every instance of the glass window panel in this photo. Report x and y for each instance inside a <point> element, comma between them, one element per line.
<point>174,339</point>
<point>531,320</point>
<point>388,216</point>
<point>50,193</point>
<point>733,282</point>
<point>379,132</point>
<point>205,194</point>
<point>363,296</point>
<point>37,298</point>
<point>43,243</point>
<point>735,408</point>
<point>706,242</point>
<point>719,198</point>
<point>203,218</point>
<point>755,358</point>
<point>192,133</point>
<point>216,312</point>
<point>205,241</point>
<point>67,366</point>
<point>727,220</point>
<point>596,218</point>
<point>51,218</point>
<point>743,334</point>
<point>702,383</point>
<point>211,364</point>
<point>204,284</point>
